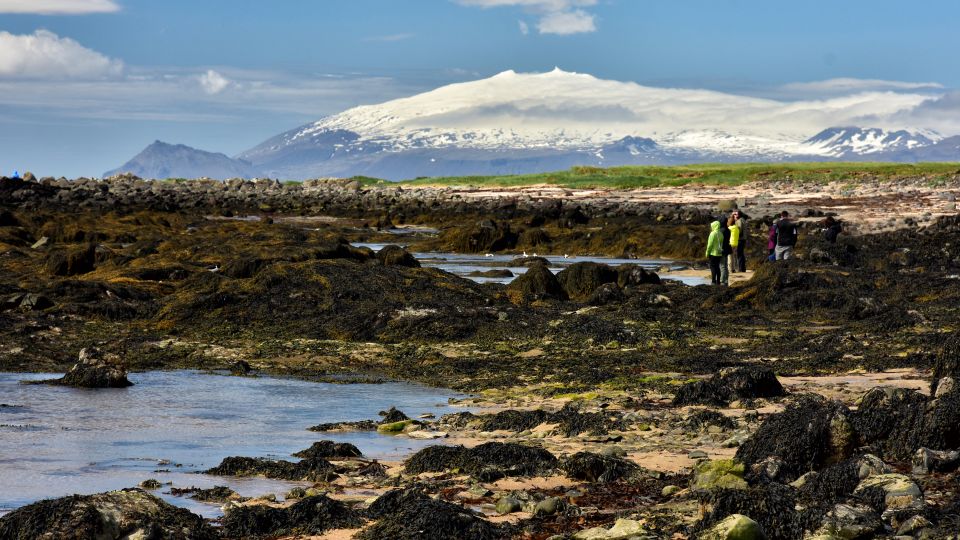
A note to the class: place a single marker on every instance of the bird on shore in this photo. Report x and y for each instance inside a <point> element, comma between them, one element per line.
<point>488,255</point>
<point>524,253</point>
<point>565,256</point>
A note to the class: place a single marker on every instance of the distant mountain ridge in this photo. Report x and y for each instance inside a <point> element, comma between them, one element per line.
<point>163,160</point>
<point>515,123</point>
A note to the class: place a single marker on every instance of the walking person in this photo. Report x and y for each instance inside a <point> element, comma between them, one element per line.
<point>741,255</point>
<point>726,250</point>
<point>714,251</point>
<point>786,237</point>
<point>734,228</point>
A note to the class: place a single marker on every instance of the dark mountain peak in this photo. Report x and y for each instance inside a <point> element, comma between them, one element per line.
<point>164,160</point>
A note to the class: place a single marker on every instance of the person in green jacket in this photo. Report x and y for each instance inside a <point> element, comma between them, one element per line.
<point>715,251</point>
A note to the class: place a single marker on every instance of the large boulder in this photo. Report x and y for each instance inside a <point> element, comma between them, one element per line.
<point>125,514</point>
<point>730,384</point>
<point>581,279</point>
<point>631,275</point>
<point>734,527</point>
<point>485,236</point>
<point>397,256</point>
<point>308,516</point>
<point>411,515</point>
<point>94,371</point>
<point>536,283</point>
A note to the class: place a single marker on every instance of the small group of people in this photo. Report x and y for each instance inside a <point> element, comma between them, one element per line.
<point>725,247</point>
<point>727,241</point>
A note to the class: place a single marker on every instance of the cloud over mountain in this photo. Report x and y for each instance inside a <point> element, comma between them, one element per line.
<point>44,54</point>
<point>560,17</point>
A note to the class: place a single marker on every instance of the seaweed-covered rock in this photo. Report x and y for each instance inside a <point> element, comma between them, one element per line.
<point>631,275</point>
<point>129,513</point>
<point>485,236</point>
<point>591,467</point>
<point>890,491</point>
<point>581,279</point>
<point>308,516</point>
<point>329,449</point>
<point>947,361</point>
<point>219,494</point>
<point>397,256</point>
<point>415,517</point>
<point>538,282</point>
<point>718,474</point>
<point>486,462</point>
<point>94,371</point>
<point>392,416</point>
<point>313,469</point>
<point>705,418</point>
<point>809,434</point>
<point>926,460</point>
<point>773,506</point>
<point>730,384</point>
<point>72,262</point>
<point>901,421</point>
<point>850,521</point>
<point>569,420</point>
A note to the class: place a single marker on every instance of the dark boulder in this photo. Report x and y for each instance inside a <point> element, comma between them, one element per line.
<point>580,280</point>
<point>527,261</point>
<point>26,302</point>
<point>590,467</point>
<point>329,449</point>
<point>240,368</point>
<point>94,371</point>
<point>397,256</point>
<point>810,434</point>
<point>631,275</point>
<point>536,283</point>
<point>392,416</point>
<point>608,293</point>
<point>129,513</point>
<point>485,236</point>
<point>308,516</point>
<point>947,361</point>
<point>494,273</point>
<point>772,505</point>
<point>730,384</point>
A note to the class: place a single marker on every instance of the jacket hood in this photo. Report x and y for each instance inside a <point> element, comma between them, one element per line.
<point>715,226</point>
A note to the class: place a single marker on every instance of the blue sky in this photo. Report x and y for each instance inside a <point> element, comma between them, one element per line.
<point>86,84</point>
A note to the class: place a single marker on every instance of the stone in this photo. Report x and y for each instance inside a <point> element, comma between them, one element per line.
<point>93,371</point>
<point>927,461</point>
<point>670,491</point>
<point>871,465</point>
<point>427,435</point>
<point>718,474</point>
<point>735,527</point>
<point>548,506</point>
<point>697,454</point>
<point>508,505</point>
<point>944,386</point>
<point>623,529</point>
<point>43,241</point>
<point>913,525</point>
<point>850,521</point>
<point>151,483</point>
<point>899,490</point>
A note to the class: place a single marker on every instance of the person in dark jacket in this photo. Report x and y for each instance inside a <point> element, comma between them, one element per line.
<point>727,250</point>
<point>786,237</point>
<point>831,229</point>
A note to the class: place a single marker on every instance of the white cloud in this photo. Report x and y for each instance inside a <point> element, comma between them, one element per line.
<point>524,27</point>
<point>848,85</point>
<point>58,7</point>
<point>213,82</point>
<point>46,55</point>
<point>565,23</point>
<point>561,17</point>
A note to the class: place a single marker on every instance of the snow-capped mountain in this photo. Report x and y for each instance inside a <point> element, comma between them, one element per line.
<point>840,142</point>
<point>515,123</point>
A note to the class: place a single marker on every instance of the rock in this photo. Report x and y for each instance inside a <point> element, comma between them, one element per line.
<point>494,273</point>
<point>93,371</point>
<point>427,435</point>
<point>29,177</point>
<point>329,449</point>
<point>730,384</point>
<point>411,515</point>
<point>508,505</point>
<point>590,467</point>
<point>913,525</point>
<point>312,469</point>
<point>851,522</point>
<point>727,205</point>
<point>734,527</point>
<point>308,516</point>
<point>718,474</point>
<point>927,461</point>
<point>608,293</point>
<point>397,256</point>
<point>670,491</point>
<point>632,275</point>
<point>392,415</point>
<point>72,262</point>
<point>485,462</point>
<point>890,491</point>
<point>529,261</point>
<point>396,427</point>
<point>622,529</point>
<point>944,386</point>
<point>296,493</point>
<point>548,506</point>
<point>240,368</point>
<point>43,241</point>
<point>151,483</point>
<point>580,280</point>
<point>116,515</point>
<point>536,283</point>
<point>697,454</point>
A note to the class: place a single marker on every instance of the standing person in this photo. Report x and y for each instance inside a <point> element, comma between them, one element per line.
<point>831,229</point>
<point>772,242</point>
<point>726,250</point>
<point>741,255</point>
<point>786,237</point>
<point>734,228</point>
<point>714,251</point>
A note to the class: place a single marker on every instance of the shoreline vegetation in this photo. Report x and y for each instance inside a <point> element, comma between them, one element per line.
<point>814,399</point>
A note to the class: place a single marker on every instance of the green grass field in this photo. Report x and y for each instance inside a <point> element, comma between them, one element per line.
<point>708,174</point>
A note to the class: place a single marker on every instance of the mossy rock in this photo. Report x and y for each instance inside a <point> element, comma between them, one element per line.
<point>735,527</point>
<point>395,427</point>
<point>719,474</point>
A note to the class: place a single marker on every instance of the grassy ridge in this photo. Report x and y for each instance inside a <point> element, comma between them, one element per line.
<point>714,174</point>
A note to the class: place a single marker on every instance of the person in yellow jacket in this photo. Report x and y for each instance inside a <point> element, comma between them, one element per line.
<point>734,227</point>
<point>715,251</point>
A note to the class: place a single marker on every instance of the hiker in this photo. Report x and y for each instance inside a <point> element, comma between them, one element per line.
<point>741,256</point>
<point>715,251</point>
<point>772,242</point>
<point>726,250</point>
<point>831,229</point>
<point>734,229</point>
<point>786,237</point>
<point>16,175</point>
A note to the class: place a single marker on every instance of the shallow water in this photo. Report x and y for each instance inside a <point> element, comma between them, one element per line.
<point>57,441</point>
<point>462,264</point>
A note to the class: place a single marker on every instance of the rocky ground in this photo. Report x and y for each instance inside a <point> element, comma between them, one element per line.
<point>815,399</point>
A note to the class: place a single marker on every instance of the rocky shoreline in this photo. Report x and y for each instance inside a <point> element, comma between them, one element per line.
<point>794,404</point>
